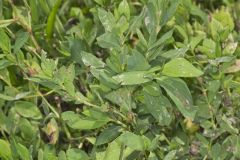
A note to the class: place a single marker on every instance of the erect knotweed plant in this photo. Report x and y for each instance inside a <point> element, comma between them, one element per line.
<point>119,79</point>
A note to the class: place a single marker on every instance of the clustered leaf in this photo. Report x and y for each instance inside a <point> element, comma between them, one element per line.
<point>129,80</point>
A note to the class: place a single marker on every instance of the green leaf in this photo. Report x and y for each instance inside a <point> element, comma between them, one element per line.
<point>230,48</point>
<point>76,154</point>
<point>23,16</point>
<point>48,67</point>
<point>195,10</point>
<point>27,109</point>
<point>3,120</point>
<point>51,19</point>
<point>34,11</point>
<point>226,125</point>
<point>90,60</point>
<point>95,113</point>
<point>141,38</point>
<point>27,129</point>
<point>116,62</point>
<point>208,47</point>
<point>194,41</point>
<point>180,67</point>
<point>107,19</point>
<point>158,107</point>
<point>6,97</point>
<point>133,78</point>
<point>175,53</point>
<point>5,151</point>
<point>170,155</point>
<point>168,12</point>
<point>62,155</point>
<point>137,62</point>
<point>104,77</point>
<point>113,151</point>
<point>213,88</point>
<point>108,135</point>
<point>151,18</point>
<point>136,22</point>
<point>107,80</point>
<point>100,2</point>
<point>216,151</point>
<point>109,40</point>
<point>124,9</point>
<point>77,121</point>
<point>181,33</point>
<point>49,153</point>
<point>22,38</point>
<point>161,41</point>
<point>17,97</point>
<point>66,82</point>
<point>5,63</point>
<point>236,144</point>
<point>221,25</point>
<point>180,94</point>
<point>23,152</point>
<point>122,97</point>
<point>122,25</point>
<point>132,141</point>
<point>5,44</point>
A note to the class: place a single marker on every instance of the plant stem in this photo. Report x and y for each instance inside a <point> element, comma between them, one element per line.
<point>49,105</point>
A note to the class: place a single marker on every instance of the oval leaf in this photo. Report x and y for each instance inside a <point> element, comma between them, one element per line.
<point>113,151</point>
<point>90,60</point>
<point>180,67</point>
<point>27,109</point>
<point>180,94</point>
<point>133,78</point>
<point>157,106</point>
<point>77,121</point>
<point>76,154</point>
<point>108,135</point>
<point>133,141</point>
<point>5,150</point>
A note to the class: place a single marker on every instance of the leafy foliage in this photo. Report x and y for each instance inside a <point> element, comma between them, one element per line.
<point>111,79</point>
